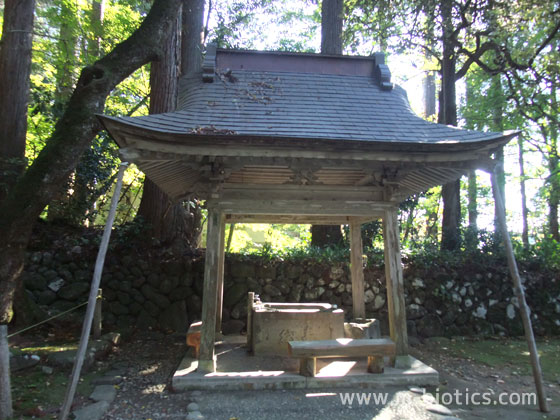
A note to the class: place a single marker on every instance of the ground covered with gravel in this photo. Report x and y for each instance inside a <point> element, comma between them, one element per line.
<point>147,361</point>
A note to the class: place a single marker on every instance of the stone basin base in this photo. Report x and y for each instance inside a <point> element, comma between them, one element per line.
<point>274,324</point>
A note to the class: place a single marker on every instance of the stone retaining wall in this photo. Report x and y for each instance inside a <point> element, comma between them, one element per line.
<point>143,291</point>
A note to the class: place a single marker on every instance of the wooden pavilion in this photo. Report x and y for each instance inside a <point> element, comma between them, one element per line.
<point>274,137</point>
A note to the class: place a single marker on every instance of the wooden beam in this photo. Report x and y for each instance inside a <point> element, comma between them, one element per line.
<point>221,266</point>
<point>395,286</point>
<point>92,298</point>
<point>207,361</point>
<point>140,141</point>
<point>520,294</point>
<point>142,157</point>
<point>346,347</point>
<point>357,270</point>
<point>237,191</point>
<point>301,207</point>
<point>296,219</point>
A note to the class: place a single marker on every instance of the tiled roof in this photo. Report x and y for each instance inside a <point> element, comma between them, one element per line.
<point>302,106</point>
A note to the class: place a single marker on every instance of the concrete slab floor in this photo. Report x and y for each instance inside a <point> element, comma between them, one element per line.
<point>237,370</point>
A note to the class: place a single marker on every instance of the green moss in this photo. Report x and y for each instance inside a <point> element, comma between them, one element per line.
<point>35,392</point>
<point>510,353</point>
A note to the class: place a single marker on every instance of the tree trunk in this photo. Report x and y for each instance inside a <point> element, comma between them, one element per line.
<point>450,236</point>
<point>325,235</point>
<point>472,206</point>
<point>332,13</point>
<point>97,15</point>
<point>473,195</point>
<point>554,193</point>
<point>553,168</point>
<point>61,208</point>
<point>524,210</point>
<point>192,36</point>
<point>497,95</point>
<point>170,223</point>
<point>72,135</point>
<point>450,193</point>
<point>15,68</point>
<point>430,78</point>
<point>66,54</point>
<point>429,95</point>
<point>331,43</point>
<point>26,311</point>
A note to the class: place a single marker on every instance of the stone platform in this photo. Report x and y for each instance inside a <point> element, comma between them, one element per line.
<point>237,370</point>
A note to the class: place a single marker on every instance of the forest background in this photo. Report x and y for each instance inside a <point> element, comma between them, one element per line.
<point>70,34</point>
<point>490,65</point>
<point>480,64</point>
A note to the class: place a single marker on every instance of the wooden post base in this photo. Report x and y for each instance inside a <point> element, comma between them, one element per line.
<point>308,366</point>
<point>375,364</point>
<point>206,366</point>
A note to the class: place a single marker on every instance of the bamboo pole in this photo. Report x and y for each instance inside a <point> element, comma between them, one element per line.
<point>86,328</point>
<point>520,294</point>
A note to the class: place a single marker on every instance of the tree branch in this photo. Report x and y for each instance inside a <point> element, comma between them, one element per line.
<point>73,133</point>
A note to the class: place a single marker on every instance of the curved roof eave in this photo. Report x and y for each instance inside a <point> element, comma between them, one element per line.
<point>124,129</point>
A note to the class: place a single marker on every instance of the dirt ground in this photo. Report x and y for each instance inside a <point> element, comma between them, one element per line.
<point>151,360</point>
<point>468,377</point>
<point>148,361</point>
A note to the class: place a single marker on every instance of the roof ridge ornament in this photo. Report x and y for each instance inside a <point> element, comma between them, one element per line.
<point>209,64</point>
<point>382,72</point>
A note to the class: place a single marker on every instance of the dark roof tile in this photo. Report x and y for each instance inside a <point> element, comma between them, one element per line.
<point>302,105</point>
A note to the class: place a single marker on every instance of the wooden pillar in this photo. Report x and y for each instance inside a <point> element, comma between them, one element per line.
<point>206,359</point>
<point>520,294</point>
<point>357,270</point>
<point>395,285</point>
<point>221,267</point>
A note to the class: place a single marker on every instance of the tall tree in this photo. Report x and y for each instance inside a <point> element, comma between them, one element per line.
<point>331,43</point>
<point>524,210</point>
<point>15,67</point>
<point>498,100</point>
<point>192,36</point>
<point>72,135</point>
<point>174,224</point>
<point>65,64</point>
<point>97,14</point>
<point>332,13</point>
<point>478,33</point>
<point>472,187</point>
<point>450,192</point>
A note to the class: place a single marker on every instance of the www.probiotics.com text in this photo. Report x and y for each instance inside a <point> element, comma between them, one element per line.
<point>457,398</point>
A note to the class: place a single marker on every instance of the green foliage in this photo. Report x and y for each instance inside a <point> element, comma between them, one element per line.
<point>296,25</point>
<point>69,37</point>
<point>543,254</point>
<point>254,237</point>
